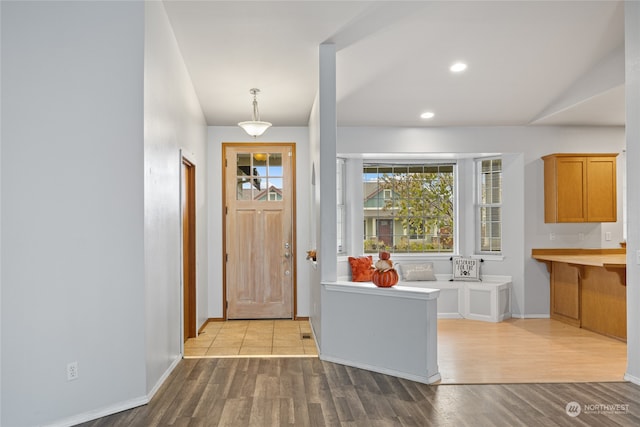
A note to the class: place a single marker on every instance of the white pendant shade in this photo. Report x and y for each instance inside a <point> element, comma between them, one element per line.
<point>255,127</point>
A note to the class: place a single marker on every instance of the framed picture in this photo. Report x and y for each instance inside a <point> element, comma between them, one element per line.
<point>466,268</point>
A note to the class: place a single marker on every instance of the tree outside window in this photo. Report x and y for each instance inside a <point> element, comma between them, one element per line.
<point>409,208</point>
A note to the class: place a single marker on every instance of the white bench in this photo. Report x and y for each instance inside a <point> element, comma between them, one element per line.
<point>488,300</point>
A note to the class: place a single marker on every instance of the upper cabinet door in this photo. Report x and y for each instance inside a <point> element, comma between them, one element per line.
<point>580,188</point>
<point>601,194</point>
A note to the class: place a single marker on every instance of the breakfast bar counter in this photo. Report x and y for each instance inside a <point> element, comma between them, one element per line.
<point>588,288</point>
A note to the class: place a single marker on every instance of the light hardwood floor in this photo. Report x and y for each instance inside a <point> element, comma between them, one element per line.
<point>524,351</point>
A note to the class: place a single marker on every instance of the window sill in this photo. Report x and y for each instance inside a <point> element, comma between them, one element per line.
<point>422,256</point>
<point>489,257</point>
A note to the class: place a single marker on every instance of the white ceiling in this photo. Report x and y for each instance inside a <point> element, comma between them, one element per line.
<point>538,62</point>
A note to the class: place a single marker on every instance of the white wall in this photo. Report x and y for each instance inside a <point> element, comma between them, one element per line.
<point>216,136</point>
<point>72,209</point>
<point>90,202</point>
<point>315,296</point>
<point>0,216</point>
<point>523,227</point>
<point>632,90</point>
<point>173,121</point>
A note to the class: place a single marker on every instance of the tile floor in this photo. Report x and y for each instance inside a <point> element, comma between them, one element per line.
<point>239,338</point>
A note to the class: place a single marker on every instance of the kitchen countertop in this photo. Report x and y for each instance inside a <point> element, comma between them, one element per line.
<point>607,258</point>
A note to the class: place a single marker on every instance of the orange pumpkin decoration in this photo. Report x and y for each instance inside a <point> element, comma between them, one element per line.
<point>385,279</point>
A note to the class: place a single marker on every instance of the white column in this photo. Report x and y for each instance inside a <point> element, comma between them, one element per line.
<point>327,250</point>
<point>632,92</point>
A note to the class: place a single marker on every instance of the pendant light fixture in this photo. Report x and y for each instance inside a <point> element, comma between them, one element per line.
<point>255,127</point>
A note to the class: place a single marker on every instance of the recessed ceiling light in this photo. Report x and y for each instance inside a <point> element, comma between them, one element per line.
<point>427,115</point>
<point>458,67</point>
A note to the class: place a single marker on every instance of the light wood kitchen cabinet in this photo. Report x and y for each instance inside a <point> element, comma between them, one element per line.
<point>565,293</point>
<point>580,187</point>
<point>588,288</point>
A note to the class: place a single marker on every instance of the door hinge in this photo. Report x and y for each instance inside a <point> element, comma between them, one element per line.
<point>225,163</point>
<point>226,257</point>
<point>226,210</point>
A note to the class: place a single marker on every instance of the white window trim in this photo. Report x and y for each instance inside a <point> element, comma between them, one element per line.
<point>486,255</point>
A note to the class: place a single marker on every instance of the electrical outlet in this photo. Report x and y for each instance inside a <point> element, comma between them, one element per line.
<point>72,371</point>
<point>607,236</point>
<point>552,236</point>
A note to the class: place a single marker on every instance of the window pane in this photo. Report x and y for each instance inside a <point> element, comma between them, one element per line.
<point>490,210</point>
<point>340,203</point>
<point>275,184</point>
<point>243,189</point>
<point>275,164</point>
<point>260,160</point>
<point>243,160</point>
<point>408,208</point>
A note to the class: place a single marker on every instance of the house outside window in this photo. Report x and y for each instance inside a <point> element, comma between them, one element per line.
<point>489,206</point>
<point>409,208</point>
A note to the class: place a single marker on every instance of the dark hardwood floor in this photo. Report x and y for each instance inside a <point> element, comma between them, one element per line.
<point>310,392</point>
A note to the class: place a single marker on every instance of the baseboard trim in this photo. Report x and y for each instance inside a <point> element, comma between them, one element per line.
<point>632,379</point>
<point>450,316</point>
<point>163,378</point>
<point>119,407</point>
<point>210,320</point>
<point>530,316</point>
<point>301,318</point>
<point>99,413</point>
<point>204,325</point>
<point>418,378</point>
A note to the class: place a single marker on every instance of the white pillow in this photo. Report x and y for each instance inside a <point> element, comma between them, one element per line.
<point>417,271</point>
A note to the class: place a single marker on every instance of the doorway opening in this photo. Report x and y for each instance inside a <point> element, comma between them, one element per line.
<point>188,203</point>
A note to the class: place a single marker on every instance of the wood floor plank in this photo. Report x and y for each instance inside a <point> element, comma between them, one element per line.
<point>206,403</point>
<point>265,411</point>
<point>304,392</point>
<point>526,350</point>
<point>236,412</point>
<point>193,396</point>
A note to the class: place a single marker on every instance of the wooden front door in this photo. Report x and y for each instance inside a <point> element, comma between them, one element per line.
<point>385,231</point>
<point>189,248</point>
<point>259,239</point>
